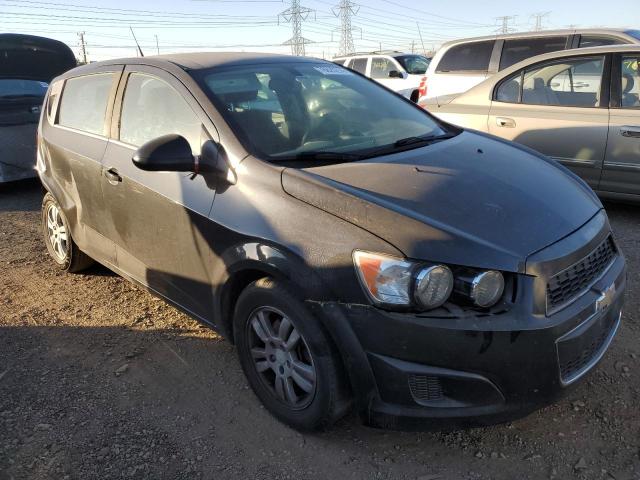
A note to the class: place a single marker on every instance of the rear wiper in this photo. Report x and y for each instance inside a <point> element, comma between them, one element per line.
<point>320,156</point>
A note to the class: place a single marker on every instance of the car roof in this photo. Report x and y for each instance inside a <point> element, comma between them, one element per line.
<point>389,53</point>
<point>543,33</point>
<point>196,61</point>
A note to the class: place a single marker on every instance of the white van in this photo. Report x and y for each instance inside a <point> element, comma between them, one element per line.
<point>462,64</point>
<point>403,73</point>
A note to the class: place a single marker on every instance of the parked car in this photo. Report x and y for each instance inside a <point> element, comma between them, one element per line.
<point>355,251</point>
<point>462,64</point>
<point>28,65</point>
<point>580,107</point>
<point>401,72</point>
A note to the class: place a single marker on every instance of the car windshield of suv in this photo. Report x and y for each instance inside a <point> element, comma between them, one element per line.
<point>414,64</point>
<point>13,88</point>
<point>293,111</point>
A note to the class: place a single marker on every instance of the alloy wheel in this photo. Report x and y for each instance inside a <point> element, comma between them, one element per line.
<point>281,357</point>
<point>57,232</point>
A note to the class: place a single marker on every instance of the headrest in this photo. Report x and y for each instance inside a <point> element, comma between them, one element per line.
<point>627,82</point>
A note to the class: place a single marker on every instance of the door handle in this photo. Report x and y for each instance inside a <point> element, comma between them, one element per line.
<point>580,84</point>
<point>630,131</point>
<point>505,122</point>
<point>113,176</point>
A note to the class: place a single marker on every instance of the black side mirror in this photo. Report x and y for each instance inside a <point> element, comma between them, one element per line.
<point>395,74</point>
<point>169,153</point>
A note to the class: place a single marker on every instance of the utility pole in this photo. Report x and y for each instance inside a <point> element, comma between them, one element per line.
<point>157,45</point>
<point>296,14</point>
<point>424,50</point>
<point>413,46</point>
<point>505,23</point>
<point>344,11</point>
<point>539,18</point>
<point>83,48</point>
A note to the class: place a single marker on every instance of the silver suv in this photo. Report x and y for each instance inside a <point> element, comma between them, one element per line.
<point>462,64</point>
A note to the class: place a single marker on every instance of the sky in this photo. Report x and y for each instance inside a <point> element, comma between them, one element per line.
<point>255,25</point>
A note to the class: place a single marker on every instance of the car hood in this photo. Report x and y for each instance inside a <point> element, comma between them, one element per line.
<point>471,200</point>
<point>28,57</point>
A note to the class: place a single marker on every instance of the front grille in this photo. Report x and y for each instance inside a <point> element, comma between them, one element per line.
<point>425,388</point>
<point>576,353</point>
<point>565,286</point>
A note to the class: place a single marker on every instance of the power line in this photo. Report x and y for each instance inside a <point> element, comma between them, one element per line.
<point>506,20</point>
<point>344,10</point>
<point>296,14</point>
<point>539,17</point>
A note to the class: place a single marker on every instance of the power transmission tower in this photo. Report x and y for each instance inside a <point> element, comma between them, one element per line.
<point>505,28</point>
<point>296,14</point>
<point>344,10</point>
<point>157,45</point>
<point>539,18</point>
<point>83,48</point>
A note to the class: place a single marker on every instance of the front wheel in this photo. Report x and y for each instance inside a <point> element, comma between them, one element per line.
<point>287,358</point>
<point>57,238</point>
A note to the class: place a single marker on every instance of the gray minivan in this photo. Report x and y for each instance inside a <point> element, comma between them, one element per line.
<point>27,65</point>
<point>360,254</point>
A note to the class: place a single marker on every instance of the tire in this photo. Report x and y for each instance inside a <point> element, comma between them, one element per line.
<point>57,238</point>
<point>311,394</point>
<point>415,96</point>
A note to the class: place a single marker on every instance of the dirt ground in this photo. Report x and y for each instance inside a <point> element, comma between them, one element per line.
<point>99,379</point>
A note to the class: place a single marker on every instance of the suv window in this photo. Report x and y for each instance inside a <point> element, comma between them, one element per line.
<point>359,65</point>
<point>473,56</point>
<point>152,108</point>
<point>84,102</point>
<point>414,64</point>
<point>587,41</point>
<point>630,87</point>
<point>516,50</point>
<point>380,67</point>
<point>340,62</point>
<point>572,82</point>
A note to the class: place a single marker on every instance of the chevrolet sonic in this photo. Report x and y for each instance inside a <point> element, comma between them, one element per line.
<point>359,253</point>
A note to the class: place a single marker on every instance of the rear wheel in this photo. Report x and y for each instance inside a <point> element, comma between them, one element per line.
<point>57,238</point>
<point>289,361</point>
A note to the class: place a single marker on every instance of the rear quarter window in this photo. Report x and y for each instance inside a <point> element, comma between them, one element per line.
<point>84,102</point>
<point>516,50</point>
<point>474,56</point>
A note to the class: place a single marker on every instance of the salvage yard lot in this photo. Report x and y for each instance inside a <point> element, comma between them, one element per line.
<point>99,379</point>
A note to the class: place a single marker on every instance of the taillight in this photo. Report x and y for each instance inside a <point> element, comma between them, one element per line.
<point>422,90</point>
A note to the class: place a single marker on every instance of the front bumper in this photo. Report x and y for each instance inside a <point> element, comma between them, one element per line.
<point>413,371</point>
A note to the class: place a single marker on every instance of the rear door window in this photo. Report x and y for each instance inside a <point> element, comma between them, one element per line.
<point>630,87</point>
<point>359,65</point>
<point>473,56</point>
<point>516,50</point>
<point>84,102</point>
<point>151,108</point>
<point>571,82</point>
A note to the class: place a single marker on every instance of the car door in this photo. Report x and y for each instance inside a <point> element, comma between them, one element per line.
<point>75,139</point>
<point>153,213</point>
<point>381,68</point>
<point>621,172</point>
<point>561,119</point>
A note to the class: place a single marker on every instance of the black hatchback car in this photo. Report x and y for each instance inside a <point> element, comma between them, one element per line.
<point>358,252</point>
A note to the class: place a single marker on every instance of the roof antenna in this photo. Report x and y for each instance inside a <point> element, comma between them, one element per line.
<point>136,40</point>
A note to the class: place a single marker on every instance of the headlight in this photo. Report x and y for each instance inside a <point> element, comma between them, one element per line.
<point>433,286</point>
<point>386,279</point>
<point>399,282</point>
<point>484,289</point>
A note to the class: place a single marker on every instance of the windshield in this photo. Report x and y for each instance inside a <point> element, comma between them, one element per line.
<point>287,110</point>
<point>11,88</point>
<point>414,64</point>
<point>634,33</point>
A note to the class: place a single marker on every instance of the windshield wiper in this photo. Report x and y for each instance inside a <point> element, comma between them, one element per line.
<point>411,142</point>
<point>423,139</point>
<point>320,156</point>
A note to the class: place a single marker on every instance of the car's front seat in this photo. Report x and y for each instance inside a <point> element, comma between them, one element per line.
<point>629,99</point>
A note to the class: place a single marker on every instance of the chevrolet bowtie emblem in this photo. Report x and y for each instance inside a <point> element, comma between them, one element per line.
<point>605,299</point>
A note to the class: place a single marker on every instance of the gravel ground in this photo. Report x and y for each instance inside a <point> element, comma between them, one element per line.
<point>99,379</point>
